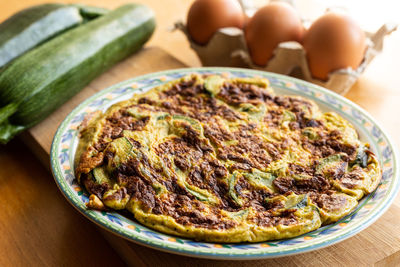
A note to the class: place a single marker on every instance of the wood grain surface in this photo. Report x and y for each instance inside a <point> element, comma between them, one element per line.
<point>38,227</point>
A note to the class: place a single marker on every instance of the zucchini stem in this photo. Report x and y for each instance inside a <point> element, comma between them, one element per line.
<point>90,12</point>
<point>8,131</point>
<point>7,111</point>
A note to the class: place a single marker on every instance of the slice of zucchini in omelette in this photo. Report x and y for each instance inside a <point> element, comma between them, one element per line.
<point>224,160</point>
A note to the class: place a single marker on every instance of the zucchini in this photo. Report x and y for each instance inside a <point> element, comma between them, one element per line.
<point>100,175</point>
<point>232,191</point>
<point>32,26</point>
<point>294,201</point>
<point>122,150</point>
<point>91,12</point>
<point>213,84</point>
<point>197,195</point>
<point>328,163</point>
<point>193,122</point>
<point>239,215</point>
<point>260,178</point>
<point>37,83</point>
<point>361,158</point>
<point>302,203</point>
<point>200,194</point>
<point>255,113</point>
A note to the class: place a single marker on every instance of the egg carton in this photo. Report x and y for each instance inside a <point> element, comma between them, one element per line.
<point>227,48</point>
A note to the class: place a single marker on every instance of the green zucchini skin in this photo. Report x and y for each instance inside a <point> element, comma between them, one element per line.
<point>32,26</point>
<point>44,78</point>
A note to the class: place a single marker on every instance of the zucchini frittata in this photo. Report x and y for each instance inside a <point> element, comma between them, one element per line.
<point>224,160</point>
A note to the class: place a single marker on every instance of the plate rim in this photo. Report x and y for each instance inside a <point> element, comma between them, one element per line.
<point>194,252</point>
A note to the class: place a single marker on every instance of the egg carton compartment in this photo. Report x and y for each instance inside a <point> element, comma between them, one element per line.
<point>227,48</point>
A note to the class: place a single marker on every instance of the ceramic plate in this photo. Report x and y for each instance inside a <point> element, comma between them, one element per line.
<point>369,209</point>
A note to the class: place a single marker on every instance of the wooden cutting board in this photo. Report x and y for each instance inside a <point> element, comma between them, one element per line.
<point>379,244</point>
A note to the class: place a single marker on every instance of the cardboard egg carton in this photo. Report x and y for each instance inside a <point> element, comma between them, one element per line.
<point>227,48</point>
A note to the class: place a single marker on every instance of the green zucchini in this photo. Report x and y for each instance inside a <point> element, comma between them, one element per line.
<point>37,83</point>
<point>232,191</point>
<point>194,123</point>
<point>122,150</point>
<point>91,12</point>
<point>100,176</point>
<point>33,26</point>
<point>361,158</point>
<point>196,194</point>
<point>213,84</point>
<point>328,163</point>
<point>302,203</point>
<point>239,215</point>
<point>260,178</point>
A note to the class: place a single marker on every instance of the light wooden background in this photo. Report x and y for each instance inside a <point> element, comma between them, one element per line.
<point>38,227</point>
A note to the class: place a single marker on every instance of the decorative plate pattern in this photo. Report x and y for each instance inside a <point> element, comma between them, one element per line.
<point>369,209</point>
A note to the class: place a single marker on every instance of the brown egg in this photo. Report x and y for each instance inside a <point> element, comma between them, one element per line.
<point>271,25</point>
<point>205,17</point>
<point>334,41</point>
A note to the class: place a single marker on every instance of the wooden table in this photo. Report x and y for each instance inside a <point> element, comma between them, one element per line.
<point>38,226</point>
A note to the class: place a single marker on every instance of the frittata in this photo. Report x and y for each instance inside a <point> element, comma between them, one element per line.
<point>224,160</point>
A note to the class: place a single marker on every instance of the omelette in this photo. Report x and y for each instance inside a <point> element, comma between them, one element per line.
<point>224,160</point>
